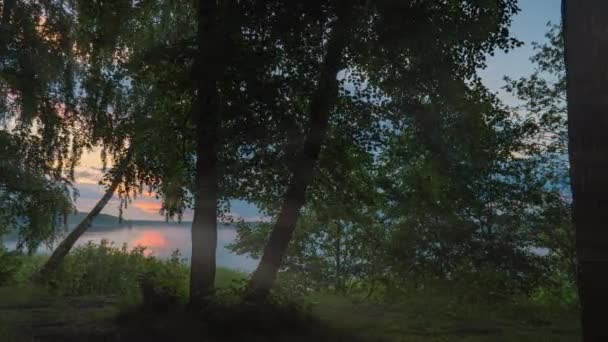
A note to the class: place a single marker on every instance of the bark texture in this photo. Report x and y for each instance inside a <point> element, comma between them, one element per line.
<point>214,51</point>
<point>586,56</point>
<point>321,105</point>
<point>66,245</point>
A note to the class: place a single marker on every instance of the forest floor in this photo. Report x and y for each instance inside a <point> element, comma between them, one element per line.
<point>30,313</point>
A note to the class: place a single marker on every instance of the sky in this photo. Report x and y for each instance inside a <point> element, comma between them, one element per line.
<point>530,25</point>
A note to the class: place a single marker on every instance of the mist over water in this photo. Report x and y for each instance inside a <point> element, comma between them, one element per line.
<point>161,240</point>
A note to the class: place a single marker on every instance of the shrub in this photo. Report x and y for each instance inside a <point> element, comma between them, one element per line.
<point>294,285</point>
<point>10,263</point>
<point>164,283</point>
<point>563,292</point>
<point>103,269</point>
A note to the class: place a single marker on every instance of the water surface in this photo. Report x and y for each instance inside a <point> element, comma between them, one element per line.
<point>161,239</point>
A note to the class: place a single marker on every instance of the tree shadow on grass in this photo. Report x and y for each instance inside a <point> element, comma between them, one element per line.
<point>243,322</point>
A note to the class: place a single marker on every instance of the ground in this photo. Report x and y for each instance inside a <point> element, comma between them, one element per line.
<point>425,320</point>
<point>29,313</point>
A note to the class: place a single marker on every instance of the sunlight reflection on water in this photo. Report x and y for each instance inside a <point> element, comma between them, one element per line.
<point>161,240</point>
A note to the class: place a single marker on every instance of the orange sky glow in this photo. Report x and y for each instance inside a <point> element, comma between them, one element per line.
<point>148,207</point>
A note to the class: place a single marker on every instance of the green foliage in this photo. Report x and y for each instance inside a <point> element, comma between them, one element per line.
<point>310,260</point>
<point>419,312</point>
<point>104,269</point>
<point>466,192</point>
<point>425,178</point>
<point>9,266</point>
<point>33,204</point>
<point>563,293</point>
<point>542,97</point>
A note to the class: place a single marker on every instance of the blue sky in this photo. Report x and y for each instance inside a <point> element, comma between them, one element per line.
<point>530,25</point>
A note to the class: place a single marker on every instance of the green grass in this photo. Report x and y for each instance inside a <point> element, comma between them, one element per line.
<point>95,299</point>
<point>417,319</point>
<point>28,312</point>
<point>32,312</point>
<point>95,284</point>
<point>423,318</point>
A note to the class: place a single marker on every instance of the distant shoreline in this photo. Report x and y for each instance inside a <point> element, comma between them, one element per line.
<point>106,219</point>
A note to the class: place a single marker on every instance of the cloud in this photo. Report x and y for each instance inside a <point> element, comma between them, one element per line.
<point>145,206</point>
<point>148,194</point>
<point>148,207</point>
<point>88,175</point>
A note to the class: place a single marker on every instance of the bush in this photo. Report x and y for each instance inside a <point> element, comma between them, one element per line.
<point>294,285</point>
<point>103,269</point>
<point>10,263</point>
<point>164,283</point>
<point>563,293</point>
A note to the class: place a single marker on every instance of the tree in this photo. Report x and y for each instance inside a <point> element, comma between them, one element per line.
<point>32,204</point>
<point>111,108</point>
<point>586,51</point>
<point>62,250</point>
<point>543,106</point>
<point>329,243</point>
<point>320,107</point>
<point>383,53</point>
<point>443,202</point>
<point>39,152</point>
<point>216,27</point>
<point>472,199</point>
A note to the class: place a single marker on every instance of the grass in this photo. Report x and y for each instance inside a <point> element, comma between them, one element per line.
<point>424,318</point>
<point>103,311</point>
<point>30,312</point>
<point>33,313</point>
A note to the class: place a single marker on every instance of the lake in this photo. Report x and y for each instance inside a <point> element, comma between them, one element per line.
<point>161,239</point>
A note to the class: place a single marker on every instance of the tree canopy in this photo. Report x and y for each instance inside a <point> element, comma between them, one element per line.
<point>361,128</point>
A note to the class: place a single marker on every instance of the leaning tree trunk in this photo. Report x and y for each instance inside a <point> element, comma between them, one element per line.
<point>586,56</point>
<point>66,245</point>
<point>214,51</point>
<point>321,105</point>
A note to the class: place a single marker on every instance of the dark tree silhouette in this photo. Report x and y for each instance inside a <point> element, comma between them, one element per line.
<point>586,53</point>
<point>213,37</point>
<point>321,106</point>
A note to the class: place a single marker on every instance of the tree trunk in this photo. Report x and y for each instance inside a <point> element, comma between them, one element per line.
<point>321,105</point>
<point>586,56</point>
<point>7,11</point>
<point>214,46</point>
<point>339,285</point>
<point>66,245</point>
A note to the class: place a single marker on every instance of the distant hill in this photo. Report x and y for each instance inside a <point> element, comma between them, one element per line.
<point>103,220</point>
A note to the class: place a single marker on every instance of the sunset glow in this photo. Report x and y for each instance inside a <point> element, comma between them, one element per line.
<point>148,207</point>
<point>151,239</point>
